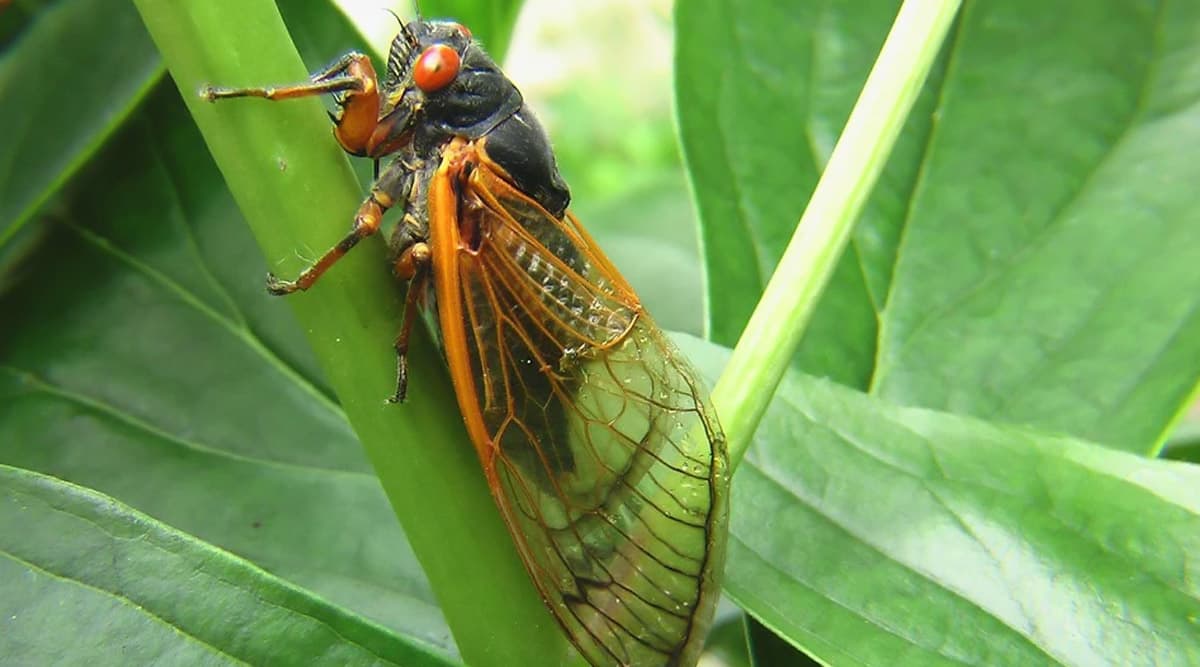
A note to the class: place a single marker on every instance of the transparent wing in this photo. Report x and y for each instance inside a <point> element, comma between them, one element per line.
<point>594,432</point>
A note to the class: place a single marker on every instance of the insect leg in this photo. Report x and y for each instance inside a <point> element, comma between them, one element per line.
<point>345,73</point>
<point>417,257</point>
<point>411,262</point>
<point>397,178</point>
<point>352,77</point>
<point>366,223</point>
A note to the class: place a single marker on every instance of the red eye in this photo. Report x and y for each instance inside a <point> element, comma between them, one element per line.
<point>463,29</point>
<point>436,67</point>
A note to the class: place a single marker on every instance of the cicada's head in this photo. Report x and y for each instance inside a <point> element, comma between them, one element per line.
<point>441,83</point>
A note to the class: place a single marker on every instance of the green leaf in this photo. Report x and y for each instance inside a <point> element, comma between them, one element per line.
<point>776,328</point>
<point>85,578</point>
<point>66,84</point>
<point>1074,254</point>
<point>142,358</point>
<point>1028,257</point>
<point>869,533</point>
<point>755,142</point>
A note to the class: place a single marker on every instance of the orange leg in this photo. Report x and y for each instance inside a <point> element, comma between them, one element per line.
<point>352,77</point>
<point>366,223</point>
<point>394,184</point>
<point>413,264</point>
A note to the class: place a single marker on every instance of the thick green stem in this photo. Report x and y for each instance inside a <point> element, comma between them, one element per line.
<point>769,341</point>
<point>297,191</point>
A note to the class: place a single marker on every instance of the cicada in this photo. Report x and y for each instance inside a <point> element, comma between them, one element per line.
<point>595,435</point>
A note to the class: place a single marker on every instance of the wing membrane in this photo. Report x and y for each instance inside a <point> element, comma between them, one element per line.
<point>594,432</point>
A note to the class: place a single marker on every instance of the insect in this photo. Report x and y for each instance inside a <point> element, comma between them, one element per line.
<point>595,435</point>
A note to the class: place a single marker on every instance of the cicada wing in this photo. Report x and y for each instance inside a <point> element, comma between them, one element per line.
<point>621,508</point>
<point>603,454</point>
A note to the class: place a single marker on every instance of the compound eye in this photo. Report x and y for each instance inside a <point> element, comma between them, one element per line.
<point>436,67</point>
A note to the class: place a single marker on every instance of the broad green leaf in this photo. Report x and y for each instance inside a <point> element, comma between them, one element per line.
<point>67,81</point>
<point>85,578</point>
<point>1028,258</point>
<point>869,533</point>
<point>1055,229</point>
<point>763,90</point>
<point>141,358</point>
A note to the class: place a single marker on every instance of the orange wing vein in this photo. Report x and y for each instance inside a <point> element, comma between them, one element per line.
<point>595,434</point>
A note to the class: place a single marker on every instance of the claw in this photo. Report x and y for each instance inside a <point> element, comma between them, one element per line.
<point>401,376</point>
<point>280,287</point>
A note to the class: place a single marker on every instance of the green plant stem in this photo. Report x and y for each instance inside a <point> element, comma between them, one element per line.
<point>769,341</point>
<point>297,191</point>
